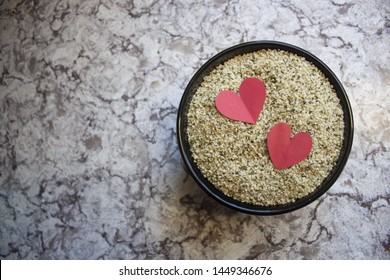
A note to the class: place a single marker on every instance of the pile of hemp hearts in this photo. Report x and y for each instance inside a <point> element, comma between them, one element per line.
<point>233,155</point>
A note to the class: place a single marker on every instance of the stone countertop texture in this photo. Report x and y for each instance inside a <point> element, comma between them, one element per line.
<point>89,162</point>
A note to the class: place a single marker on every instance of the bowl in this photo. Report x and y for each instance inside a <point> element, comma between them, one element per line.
<point>214,192</point>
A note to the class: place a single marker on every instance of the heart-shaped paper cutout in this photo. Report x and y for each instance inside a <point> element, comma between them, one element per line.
<point>245,106</point>
<point>285,152</point>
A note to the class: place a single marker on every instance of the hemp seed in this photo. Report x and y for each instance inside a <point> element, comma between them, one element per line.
<point>233,155</point>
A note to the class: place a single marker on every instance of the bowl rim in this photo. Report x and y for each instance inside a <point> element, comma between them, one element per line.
<point>218,195</point>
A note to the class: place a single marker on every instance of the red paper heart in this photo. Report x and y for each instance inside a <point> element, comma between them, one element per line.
<point>246,106</point>
<point>285,152</point>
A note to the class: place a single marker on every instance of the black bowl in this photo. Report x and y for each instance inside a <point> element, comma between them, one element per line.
<point>209,188</point>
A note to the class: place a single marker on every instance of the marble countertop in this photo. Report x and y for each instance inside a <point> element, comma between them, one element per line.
<point>89,163</point>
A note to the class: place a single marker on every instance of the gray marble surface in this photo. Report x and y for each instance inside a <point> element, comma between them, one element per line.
<point>89,164</point>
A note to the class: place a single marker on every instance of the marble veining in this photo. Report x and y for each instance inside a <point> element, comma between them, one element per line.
<point>89,165</point>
